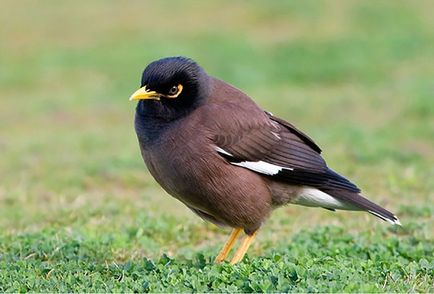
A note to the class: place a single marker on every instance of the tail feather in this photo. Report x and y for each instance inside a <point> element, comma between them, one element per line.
<point>364,204</point>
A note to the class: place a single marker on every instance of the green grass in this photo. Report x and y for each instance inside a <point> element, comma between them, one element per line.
<point>321,260</point>
<point>78,210</point>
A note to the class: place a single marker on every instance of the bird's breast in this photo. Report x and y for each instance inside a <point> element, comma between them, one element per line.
<point>172,159</point>
<point>183,160</point>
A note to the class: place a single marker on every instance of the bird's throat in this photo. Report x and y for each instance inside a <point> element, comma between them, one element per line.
<point>154,118</point>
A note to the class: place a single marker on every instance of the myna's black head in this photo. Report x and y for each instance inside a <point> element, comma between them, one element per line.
<point>171,87</point>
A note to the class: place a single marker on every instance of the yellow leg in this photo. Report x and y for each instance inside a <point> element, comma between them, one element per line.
<point>243,248</point>
<point>228,246</point>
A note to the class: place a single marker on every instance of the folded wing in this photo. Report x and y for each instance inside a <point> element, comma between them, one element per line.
<point>279,151</point>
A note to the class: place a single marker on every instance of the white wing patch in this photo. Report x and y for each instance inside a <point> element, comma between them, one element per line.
<point>261,167</point>
<point>257,166</point>
<point>315,198</point>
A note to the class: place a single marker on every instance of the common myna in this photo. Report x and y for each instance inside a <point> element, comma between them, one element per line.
<point>211,147</point>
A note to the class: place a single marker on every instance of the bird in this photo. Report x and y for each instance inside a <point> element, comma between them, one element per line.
<point>210,146</point>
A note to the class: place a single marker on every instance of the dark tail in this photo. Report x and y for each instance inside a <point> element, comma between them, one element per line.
<point>361,202</point>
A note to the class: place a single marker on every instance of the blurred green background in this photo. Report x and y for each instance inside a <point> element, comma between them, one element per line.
<point>357,76</point>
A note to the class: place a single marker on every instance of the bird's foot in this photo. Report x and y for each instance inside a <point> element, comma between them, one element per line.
<point>248,239</point>
<point>228,246</point>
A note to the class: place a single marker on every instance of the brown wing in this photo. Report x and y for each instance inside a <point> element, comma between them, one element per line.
<point>275,148</point>
<point>269,139</point>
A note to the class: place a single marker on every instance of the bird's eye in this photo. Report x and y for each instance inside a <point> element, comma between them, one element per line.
<point>173,90</point>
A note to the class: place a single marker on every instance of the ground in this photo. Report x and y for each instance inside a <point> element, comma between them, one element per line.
<point>80,212</point>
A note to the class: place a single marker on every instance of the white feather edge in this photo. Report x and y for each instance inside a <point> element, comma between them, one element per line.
<point>257,166</point>
<point>393,222</point>
<point>220,150</point>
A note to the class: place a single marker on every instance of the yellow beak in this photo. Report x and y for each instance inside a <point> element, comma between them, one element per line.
<point>143,93</point>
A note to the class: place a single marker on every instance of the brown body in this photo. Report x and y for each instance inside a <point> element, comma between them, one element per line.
<point>213,188</point>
